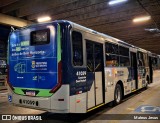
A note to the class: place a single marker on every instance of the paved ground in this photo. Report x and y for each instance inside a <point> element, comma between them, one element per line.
<point>141,102</point>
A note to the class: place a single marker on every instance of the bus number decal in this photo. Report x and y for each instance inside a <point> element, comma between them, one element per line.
<point>81,76</point>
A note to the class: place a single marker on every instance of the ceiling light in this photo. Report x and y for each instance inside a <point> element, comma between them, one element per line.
<point>141,19</point>
<point>43,19</point>
<point>116,2</point>
<point>152,29</point>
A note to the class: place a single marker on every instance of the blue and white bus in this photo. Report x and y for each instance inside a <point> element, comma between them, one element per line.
<point>63,67</point>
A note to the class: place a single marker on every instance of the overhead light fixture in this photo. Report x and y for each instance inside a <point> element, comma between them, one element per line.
<point>43,19</point>
<point>141,19</point>
<point>116,2</point>
<point>152,30</point>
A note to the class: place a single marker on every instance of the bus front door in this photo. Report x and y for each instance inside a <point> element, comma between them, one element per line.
<point>95,74</point>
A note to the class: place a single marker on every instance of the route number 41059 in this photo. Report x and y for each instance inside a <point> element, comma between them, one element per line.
<point>81,73</point>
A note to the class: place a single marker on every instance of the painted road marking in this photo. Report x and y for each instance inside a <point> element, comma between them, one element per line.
<point>148,109</point>
<point>4,93</point>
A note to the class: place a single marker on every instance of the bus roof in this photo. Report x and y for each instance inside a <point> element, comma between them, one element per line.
<point>80,27</point>
<point>106,37</point>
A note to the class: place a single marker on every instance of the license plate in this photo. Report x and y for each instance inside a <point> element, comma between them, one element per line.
<point>30,93</point>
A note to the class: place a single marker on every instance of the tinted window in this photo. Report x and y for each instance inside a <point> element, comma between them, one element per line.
<point>154,62</point>
<point>145,59</point>
<point>123,51</point>
<point>90,62</point>
<point>112,60</point>
<point>77,48</point>
<point>140,59</point>
<point>98,57</point>
<point>111,48</point>
<point>124,61</point>
<point>40,37</point>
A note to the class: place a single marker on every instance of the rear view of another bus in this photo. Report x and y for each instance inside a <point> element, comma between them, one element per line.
<point>35,68</point>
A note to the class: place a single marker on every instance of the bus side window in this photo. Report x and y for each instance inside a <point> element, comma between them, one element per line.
<point>140,59</point>
<point>77,48</point>
<point>145,57</point>
<point>112,60</point>
<point>123,51</point>
<point>111,48</point>
<point>112,57</point>
<point>124,56</point>
<point>124,61</point>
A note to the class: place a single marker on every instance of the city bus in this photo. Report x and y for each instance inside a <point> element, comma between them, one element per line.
<point>63,67</point>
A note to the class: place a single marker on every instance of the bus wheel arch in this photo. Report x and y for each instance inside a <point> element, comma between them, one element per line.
<point>118,93</point>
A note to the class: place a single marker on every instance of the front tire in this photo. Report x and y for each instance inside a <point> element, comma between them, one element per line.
<point>117,94</point>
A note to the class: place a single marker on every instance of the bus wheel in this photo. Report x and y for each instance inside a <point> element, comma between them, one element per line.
<point>117,94</point>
